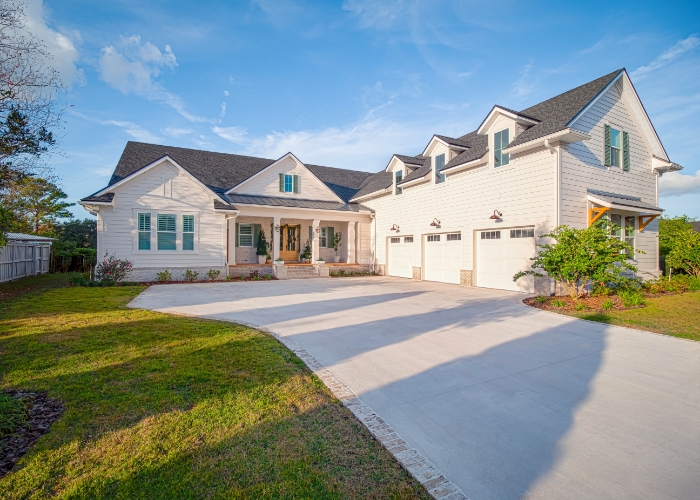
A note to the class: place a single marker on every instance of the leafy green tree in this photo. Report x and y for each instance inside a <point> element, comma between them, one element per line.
<point>580,257</point>
<point>685,252</point>
<point>81,233</point>
<point>669,229</point>
<point>37,204</point>
<point>262,243</point>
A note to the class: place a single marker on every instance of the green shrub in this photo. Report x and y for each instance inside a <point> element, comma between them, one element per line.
<point>113,270</point>
<point>580,306</point>
<point>678,283</point>
<point>541,299</point>
<point>601,290</point>
<point>191,275</point>
<point>558,303</point>
<point>164,276</point>
<point>694,284</point>
<point>608,304</point>
<point>212,274</point>
<point>631,298</point>
<point>581,257</point>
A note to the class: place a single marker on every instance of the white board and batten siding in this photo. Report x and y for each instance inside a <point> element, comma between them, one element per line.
<point>267,183</point>
<point>163,189</point>
<point>583,168</point>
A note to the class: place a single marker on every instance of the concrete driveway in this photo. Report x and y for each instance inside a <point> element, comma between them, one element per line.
<point>507,401</point>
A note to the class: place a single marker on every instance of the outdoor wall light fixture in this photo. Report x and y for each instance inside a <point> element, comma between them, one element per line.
<point>277,228</point>
<point>496,215</point>
<point>435,223</point>
<point>394,228</point>
<point>318,229</point>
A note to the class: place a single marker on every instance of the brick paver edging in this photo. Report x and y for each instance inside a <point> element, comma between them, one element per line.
<point>410,459</point>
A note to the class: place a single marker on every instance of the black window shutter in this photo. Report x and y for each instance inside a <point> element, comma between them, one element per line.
<point>281,183</point>
<point>625,151</point>
<point>256,234</point>
<point>235,235</point>
<point>608,154</point>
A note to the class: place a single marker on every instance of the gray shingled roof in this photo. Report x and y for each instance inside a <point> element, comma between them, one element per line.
<point>105,198</point>
<point>556,112</point>
<point>478,147</point>
<point>411,160</point>
<point>623,199</point>
<point>244,199</point>
<point>222,171</point>
<point>452,141</point>
<point>375,183</point>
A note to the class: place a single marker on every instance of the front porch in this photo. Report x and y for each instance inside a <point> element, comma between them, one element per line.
<point>293,240</point>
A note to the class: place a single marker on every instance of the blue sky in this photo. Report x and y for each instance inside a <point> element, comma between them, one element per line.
<point>348,83</point>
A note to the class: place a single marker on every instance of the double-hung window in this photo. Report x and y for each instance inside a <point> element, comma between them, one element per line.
<point>439,163</point>
<point>245,235</point>
<point>144,230</point>
<point>623,228</point>
<point>188,232</point>
<point>617,148</point>
<point>167,232</point>
<point>399,178</point>
<point>500,142</point>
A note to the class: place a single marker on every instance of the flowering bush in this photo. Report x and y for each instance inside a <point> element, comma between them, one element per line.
<point>112,269</point>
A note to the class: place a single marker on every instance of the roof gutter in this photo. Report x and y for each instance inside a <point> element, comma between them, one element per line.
<point>456,168</point>
<point>567,135</point>
<point>374,193</point>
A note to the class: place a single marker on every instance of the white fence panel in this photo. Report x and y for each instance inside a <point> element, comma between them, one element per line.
<point>19,259</point>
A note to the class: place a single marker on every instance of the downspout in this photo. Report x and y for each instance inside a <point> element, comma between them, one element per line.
<point>557,198</point>
<point>374,242</point>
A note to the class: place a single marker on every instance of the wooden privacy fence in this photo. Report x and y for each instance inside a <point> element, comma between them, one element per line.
<point>24,258</point>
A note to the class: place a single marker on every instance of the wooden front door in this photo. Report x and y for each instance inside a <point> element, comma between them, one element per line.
<point>289,242</point>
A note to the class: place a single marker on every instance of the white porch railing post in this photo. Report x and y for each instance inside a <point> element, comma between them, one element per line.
<point>231,241</point>
<point>315,253</point>
<point>276,238</point>
<point>351,243</point>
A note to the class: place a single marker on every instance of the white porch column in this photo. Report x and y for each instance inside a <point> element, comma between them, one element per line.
<point>275,238</point>
<point>231,253</point>
<point>352,259</point>
<point>314,243</point>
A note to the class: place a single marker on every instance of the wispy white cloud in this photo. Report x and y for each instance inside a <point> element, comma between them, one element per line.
<point>136,131</point>
<point>222,113</point>
<point>676,184</point>
<point>667,56</point>
<point>525,83</point>
<point>131,67</point>
<point>380,14</point>
<point>61,45</point>
<point>177,132</point>
<point>226,92</point>
<point>366,145</point>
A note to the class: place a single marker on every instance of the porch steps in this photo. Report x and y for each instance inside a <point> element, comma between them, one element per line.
<point>301,272</point>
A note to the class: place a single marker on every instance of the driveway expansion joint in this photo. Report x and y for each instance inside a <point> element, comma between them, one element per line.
<point>437,485</point>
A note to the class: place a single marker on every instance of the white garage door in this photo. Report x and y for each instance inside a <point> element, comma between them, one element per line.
<point>503,253</point>
<point>401,257</point>
<point>443,257</point>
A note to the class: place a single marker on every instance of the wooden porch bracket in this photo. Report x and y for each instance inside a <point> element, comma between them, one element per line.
<point>644,223</point>
<point>598,211</point>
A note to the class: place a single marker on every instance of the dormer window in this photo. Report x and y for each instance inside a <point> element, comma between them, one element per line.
<point>289,183</point>
<point>439,163</point>
<point>399,177</point>
<point>500,142</point>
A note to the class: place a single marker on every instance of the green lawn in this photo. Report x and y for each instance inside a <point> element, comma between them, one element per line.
<point>158,406</point>
<point>677,315</point>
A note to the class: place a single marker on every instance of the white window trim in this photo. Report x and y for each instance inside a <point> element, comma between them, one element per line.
<point>403,176</point>
<point>623,236</point>
<point>622,129</point>
<point>492,144</point>
<point>252,236</point>
<point>154,232</point>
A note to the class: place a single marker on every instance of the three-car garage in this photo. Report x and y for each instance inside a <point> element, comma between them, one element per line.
<point>498,255</point>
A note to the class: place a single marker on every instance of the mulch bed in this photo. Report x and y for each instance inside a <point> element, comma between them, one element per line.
<point>589,303</point>
<point>42,412</point>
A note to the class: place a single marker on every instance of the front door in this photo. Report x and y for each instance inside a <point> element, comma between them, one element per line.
<point>289,242</point>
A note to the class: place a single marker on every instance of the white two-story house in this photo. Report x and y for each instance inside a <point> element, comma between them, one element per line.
<point>465,210</point>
